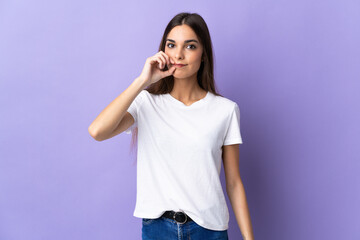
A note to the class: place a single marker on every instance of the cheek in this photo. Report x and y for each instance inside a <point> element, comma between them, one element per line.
<point>166,50</point>
<point>196,62</point>
<point>197,59</point>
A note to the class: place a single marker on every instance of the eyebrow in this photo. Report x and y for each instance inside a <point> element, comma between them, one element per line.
<point>186,41</point>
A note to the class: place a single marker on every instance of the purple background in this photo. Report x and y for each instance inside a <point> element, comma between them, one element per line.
<point>292,66</point>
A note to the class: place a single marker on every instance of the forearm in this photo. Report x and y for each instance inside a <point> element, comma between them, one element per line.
<point>110,117</point>
<point>239,204</point>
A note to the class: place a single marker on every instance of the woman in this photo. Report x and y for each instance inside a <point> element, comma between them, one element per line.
<point>184,129</point>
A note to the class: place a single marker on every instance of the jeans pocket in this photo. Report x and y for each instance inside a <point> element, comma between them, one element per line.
<point>147,221</point>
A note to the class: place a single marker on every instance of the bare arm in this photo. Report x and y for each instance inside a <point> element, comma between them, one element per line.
<point>114,118</point>
<point>236,190</point>
<point>105,124</point>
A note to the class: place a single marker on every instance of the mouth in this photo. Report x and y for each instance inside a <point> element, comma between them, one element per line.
<point>179,65</point>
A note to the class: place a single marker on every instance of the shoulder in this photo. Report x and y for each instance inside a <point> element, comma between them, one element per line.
<point>141,97</point>
<point>225,103</point>
<point>145,97</point>
<point>144,94</point>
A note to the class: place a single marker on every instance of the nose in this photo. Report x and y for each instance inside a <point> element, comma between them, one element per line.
<point>179,54</point>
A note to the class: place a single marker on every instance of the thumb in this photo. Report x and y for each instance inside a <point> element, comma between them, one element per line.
<point>171,70</point>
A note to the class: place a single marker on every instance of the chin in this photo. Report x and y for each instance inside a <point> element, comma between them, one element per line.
<point>182,75</point>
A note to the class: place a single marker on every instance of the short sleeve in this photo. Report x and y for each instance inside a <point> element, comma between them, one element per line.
<point>233,135</point>
<point>134,110</point>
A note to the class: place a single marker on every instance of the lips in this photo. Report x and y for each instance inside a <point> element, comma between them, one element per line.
<point>180,65</point>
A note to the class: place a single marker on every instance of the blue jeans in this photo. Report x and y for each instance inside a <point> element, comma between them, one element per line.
<point>163,228</point>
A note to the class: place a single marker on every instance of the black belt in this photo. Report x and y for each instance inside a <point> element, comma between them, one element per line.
<point>179,217</point>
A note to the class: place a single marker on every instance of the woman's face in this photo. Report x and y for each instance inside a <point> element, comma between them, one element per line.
<point>183,46</point>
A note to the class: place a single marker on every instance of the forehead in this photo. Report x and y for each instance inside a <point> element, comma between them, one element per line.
<point>182,33</point>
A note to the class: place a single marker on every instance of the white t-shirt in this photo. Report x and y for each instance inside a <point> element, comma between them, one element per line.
<point>179,155</point>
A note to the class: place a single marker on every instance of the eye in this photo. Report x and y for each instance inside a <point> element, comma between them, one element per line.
<point>191,45</point>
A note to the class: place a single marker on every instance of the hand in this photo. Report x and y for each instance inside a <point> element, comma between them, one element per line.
<point>152,69</point>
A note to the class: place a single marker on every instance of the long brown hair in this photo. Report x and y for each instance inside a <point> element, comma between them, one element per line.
<point>205,74</point>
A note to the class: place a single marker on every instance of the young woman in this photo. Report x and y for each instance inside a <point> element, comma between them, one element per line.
<point>185,129</point>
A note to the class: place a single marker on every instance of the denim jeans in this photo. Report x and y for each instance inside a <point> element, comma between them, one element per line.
<point>163,228</point>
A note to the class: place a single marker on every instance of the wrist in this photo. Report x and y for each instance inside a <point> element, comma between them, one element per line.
<point>141,82</point>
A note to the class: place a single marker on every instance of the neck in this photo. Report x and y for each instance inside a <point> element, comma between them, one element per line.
<point>187,89</point>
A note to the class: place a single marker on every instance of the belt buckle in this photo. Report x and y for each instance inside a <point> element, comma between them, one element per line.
<point>180,212</point>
